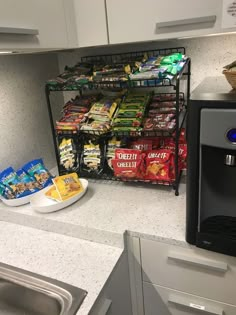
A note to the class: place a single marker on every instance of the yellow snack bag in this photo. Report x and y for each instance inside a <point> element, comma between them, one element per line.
<point>52,193</point>
<point>68,185</point>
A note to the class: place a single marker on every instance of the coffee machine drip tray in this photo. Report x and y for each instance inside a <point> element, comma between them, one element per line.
<point>218,233</point>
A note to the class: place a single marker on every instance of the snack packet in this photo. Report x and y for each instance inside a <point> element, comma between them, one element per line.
<point>128,163</point>
<point>10,179</point>
<point>111,146</point>
<point>30,183</point>
<point>5,192</point>
<point>67,152</point>
<point>68,186</point>
<point>53,194</point>
<point>91,157</point>
<point>158,165</point>
<point>36,169</point>
<point>141,144</point>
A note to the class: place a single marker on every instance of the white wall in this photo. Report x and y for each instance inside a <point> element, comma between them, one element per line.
<point>208,54</point>
<point>24,124</point>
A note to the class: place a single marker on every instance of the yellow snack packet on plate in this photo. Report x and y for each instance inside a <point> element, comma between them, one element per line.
<point>52,193</point>
<point>68,185</point>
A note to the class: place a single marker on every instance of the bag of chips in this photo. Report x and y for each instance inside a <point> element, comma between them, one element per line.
<point>91,159</point>
<point>158,165</point>
<point>141,144</point>
<point>68,186</point>
<point>53,194</point>
<point>30,183</point>
<point>10,179</point>
<point>68,155</point>
<point>128,163</point>
<point>5,192</point>
<point>110,154</point>
<point>37,170</point>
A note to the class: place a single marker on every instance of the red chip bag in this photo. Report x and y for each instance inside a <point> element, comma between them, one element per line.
<point>142,144</point>
<point>128,168</point>
<point>183,156</point>
<point>128,154</point>
<point>158,165</point>
<point>182,136</point>
<point>128,163</point>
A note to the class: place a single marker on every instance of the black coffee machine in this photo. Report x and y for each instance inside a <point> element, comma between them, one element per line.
<point>211,179</point>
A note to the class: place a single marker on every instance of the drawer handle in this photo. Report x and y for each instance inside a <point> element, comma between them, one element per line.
<point>18,31</point>
<point>105,307</point>
<point>192,305</point>
<point>197,20</point>
<point>205,263</point>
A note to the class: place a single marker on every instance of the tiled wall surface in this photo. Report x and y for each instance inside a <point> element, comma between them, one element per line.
<point>208,54</point>
<point>24,125</point>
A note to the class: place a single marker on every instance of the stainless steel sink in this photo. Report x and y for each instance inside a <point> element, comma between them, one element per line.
<point>26,293</point>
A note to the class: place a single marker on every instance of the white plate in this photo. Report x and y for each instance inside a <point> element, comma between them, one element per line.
<point>43,204</point>
<point>18,201</point>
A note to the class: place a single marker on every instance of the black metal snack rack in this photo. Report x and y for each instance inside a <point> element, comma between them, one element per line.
<point>80,135</point>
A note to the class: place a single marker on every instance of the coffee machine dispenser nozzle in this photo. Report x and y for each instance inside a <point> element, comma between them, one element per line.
<point>230,160</point>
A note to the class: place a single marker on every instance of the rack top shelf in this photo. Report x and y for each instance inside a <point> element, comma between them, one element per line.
<point>72,80</point>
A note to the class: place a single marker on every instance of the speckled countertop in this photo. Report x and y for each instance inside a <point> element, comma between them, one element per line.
<point>77,262</point>
<point>108,210</point>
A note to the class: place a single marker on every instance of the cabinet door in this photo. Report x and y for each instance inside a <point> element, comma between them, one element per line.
<point>115,298</point>
<point>163,301</point>
<point>47,17</point>
<point>193,270</point>
<point>137,20</point>
<point>87,24</point>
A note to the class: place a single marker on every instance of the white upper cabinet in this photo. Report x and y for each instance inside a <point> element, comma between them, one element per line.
<point>32,24</point>
<point>139,20</point>
<point>87,25</point>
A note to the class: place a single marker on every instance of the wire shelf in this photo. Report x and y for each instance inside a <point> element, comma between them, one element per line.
<point>99,136</point>
<point>131,56</point>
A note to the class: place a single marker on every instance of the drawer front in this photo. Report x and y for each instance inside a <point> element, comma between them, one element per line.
<point>191,270</point>
<point>163,301</point>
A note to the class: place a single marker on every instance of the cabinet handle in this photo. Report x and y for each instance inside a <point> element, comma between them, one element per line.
<point>18,31</point>
<point>205,263</point>
<point>196,306</point>
<point>105,307</point>
<point>197,20</point>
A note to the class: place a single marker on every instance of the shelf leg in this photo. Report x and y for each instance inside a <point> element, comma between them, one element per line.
<point>47,93</point>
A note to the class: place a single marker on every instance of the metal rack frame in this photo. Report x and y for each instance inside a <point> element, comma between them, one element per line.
<point>150,83</point>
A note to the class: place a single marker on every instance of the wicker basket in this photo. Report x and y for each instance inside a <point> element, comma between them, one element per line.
<point>231,77</point>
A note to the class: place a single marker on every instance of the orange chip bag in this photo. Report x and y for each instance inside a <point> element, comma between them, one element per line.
<point>68,185</point>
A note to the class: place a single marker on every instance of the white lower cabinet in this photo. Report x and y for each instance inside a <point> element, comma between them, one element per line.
<point>163,301</point>
<point>192,270</point>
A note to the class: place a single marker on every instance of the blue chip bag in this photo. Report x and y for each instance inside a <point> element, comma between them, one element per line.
<point>37,170</point>
<point>9,178</point>
<point>6,192</point>
<point>31,184</point>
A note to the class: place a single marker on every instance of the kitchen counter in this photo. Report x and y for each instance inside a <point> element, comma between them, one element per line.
<point>77,262</point>
<point>108,210</point>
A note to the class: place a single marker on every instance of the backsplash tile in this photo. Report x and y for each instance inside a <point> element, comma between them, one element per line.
<point>24,125</point>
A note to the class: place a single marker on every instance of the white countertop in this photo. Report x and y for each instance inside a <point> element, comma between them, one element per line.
<point>77,262</point>
<point>109,209</point>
